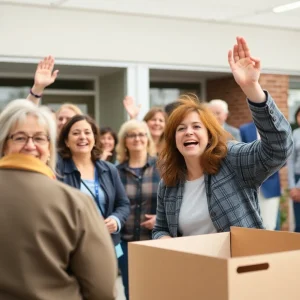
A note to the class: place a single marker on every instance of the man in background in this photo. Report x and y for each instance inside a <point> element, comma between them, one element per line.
<point>220,110</point>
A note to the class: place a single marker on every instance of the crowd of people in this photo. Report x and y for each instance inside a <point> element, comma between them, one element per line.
<point>79,194</point>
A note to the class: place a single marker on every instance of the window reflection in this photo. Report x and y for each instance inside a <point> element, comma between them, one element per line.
<point>163,93</point>
<point>10,93</point>
<point>162,97</point>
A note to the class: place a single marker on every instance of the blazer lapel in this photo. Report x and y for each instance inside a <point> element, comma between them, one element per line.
<point>177,207</point>
<point>105,184</point>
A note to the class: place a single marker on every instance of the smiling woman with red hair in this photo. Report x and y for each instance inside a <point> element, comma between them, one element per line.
<point>171,157</point>
<point>209,182</point>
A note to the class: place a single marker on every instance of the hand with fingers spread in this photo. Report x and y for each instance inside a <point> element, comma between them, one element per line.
<point>132,109</point>
<point>246,70</point>
<point>44,75</point>
<point>149,224</point>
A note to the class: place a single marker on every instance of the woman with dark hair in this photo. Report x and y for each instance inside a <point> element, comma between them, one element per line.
<point>210,183</point>
<point>294,172</point>
<point>80,166</point>
<point>108,143</point>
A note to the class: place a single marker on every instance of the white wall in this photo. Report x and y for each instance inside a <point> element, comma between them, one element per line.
<point>29,31</point>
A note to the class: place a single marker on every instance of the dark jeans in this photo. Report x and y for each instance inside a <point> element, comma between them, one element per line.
<point>297,216</point>
<point>278,220</point>
<point>123,265</point>
<point>297,210</point>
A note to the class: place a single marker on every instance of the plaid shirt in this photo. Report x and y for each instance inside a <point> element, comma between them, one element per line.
<point>232,192</point>
<point>142,194</point>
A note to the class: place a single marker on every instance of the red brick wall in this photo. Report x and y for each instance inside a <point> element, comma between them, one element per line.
<point>227,89</point>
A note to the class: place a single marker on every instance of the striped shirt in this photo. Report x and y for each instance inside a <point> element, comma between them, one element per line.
<point>142,193</point>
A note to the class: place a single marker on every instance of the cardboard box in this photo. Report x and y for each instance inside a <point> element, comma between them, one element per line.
<point>243,264</point>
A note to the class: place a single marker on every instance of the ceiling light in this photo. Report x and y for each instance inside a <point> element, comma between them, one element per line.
<point>286,7</point>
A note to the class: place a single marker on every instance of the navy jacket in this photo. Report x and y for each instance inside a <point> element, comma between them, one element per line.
<point>271,186</point>
<point>117,202</point>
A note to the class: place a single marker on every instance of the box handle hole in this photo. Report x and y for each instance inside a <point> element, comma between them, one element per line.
<point>253,268</point>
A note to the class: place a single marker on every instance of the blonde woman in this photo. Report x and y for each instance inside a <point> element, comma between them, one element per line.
<point>65,113</point>
<point>138,172</point>
<point>155,119</point>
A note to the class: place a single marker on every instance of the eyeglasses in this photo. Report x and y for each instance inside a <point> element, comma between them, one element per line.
<point>22,138</point>
<point>133,136</point>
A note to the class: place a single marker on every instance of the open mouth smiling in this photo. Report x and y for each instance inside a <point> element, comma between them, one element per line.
<point>190,143</point>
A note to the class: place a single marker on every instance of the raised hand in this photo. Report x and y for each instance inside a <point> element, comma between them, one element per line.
<point>246,70</point>
<point>130,107</point>
<point>44,75</point>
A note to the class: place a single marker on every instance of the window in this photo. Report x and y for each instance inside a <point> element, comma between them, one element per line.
<point>162,93</point>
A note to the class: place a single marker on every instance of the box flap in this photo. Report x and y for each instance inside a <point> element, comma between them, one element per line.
<point>249,241</point>
<point>216,245</point>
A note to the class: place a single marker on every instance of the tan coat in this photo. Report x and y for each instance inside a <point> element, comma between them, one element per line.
<point>54,244</point>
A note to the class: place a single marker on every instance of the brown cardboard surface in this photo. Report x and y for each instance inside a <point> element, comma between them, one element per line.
<point>264,265</point>
<point>160,274</point>
<point>217,245</point>
<point>247,241</point>
<point>279,282</point>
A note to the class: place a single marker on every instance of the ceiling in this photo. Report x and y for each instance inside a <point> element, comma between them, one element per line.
<point>254,12</point>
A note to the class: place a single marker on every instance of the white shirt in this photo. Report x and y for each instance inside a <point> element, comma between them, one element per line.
<point>194,218</point>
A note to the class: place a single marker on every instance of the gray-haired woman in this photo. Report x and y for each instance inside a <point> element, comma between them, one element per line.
<point>51,234</point>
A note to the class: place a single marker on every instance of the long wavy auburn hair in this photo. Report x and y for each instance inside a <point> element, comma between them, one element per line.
<point>171,163</point>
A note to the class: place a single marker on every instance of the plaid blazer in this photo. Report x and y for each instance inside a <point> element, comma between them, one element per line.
<point>142,194</point>
<point>232,192</point>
